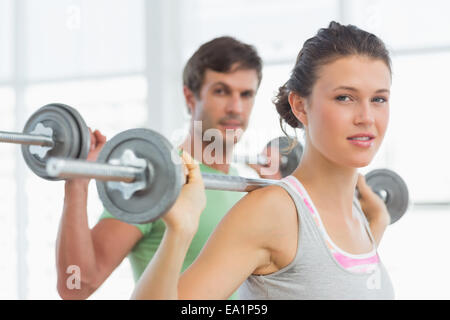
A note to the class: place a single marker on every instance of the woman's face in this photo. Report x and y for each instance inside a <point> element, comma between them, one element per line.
<point>348,110</point>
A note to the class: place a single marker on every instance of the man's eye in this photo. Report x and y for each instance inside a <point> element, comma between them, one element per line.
<point>219,91</point>
<point>247,94</point>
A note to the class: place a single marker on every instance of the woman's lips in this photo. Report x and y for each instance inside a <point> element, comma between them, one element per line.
<point>363,141</point>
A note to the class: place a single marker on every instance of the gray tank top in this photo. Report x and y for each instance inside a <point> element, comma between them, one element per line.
<point>315,273</point>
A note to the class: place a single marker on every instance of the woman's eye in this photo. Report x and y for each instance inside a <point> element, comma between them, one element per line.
<point>379,100</point>
<point>343,98</point>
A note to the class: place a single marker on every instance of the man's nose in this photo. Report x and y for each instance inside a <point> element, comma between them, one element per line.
<point>235,104</point>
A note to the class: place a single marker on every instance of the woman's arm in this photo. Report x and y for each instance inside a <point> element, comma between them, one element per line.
<point>374,209</point>
<point>242,243</point>
<point>224,263</point>
<point>159,281</point>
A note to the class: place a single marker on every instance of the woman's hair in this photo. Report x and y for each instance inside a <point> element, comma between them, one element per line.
<point>327,46</point>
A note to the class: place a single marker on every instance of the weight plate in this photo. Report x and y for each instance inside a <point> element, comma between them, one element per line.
<point>293,156</point>
<point>151,203</point>
<point>66,135</point>
<point>397,195</point>
<point>85,136</point>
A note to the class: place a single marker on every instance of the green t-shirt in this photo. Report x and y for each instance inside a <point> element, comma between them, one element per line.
<point>218,203</point>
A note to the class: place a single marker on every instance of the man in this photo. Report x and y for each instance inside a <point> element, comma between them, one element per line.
<point>220,83</point>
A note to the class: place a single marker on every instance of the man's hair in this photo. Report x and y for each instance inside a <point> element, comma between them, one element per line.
<point>220,55</point>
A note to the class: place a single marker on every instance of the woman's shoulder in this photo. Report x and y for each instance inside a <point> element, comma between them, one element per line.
<point>270,195</point>
<point>268,218</point>
<point>269,207</point>
<point>267,198</point>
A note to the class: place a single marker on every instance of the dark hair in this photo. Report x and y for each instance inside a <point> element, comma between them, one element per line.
<point>328,45</point>
<point>220,54</point>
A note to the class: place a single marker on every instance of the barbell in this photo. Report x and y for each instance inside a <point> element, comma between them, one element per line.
<point>290,153</point>
<point>390,187</point>
<point>54,130</point>
<point>139,177</point>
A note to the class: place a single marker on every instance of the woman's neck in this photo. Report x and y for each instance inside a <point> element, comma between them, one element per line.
<point>331,186</point>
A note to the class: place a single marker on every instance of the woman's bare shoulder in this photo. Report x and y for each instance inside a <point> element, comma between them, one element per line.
<point>273,196</point>
<point>269,210</point>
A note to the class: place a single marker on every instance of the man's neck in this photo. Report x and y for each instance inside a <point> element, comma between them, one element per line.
<point>195,146</point>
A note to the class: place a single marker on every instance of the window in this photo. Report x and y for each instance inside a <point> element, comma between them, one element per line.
<point>8,224</point>
<point>81,38</point>
<point>269,25</point>
<point>112,106</point>
<point>6,44</point>
<point>404,24</point>
<point>419,114</point>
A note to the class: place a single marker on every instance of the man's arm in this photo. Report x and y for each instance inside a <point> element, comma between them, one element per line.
<point>95,253</point>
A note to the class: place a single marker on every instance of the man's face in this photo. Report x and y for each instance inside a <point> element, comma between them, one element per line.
<point>225,101</point>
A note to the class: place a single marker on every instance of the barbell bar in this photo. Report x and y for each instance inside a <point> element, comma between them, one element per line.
<point>139,177</point>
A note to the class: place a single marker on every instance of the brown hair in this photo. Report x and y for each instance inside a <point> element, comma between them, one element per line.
<point>220,54</point>
<point>328,45</point>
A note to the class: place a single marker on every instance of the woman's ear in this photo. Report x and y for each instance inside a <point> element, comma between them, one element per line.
<point>298,107</point>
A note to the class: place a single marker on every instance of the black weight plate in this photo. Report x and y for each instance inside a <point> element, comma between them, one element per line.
<point>294,155</point>
<point>66,135</point>
<point>85,136</point>
<point>151,203</point>
<point>397,200</point>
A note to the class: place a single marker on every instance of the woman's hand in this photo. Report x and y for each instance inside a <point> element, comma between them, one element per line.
<point>372,205</point>
<point>160,278</point>
<point>184,215</point>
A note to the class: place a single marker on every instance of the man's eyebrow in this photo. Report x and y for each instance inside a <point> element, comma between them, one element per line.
<point>220,83</point>
<point>356,90</point>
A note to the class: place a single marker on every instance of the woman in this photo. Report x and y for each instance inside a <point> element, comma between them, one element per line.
<point>306,237</point>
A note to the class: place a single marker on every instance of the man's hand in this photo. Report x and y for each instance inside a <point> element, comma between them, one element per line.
<point>97,142</point>
<point>271,170</point>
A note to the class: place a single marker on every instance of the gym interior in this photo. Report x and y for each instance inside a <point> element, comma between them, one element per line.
<point>119,63</point>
